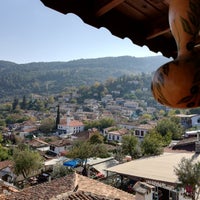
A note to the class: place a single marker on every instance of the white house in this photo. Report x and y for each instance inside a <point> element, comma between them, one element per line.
<point>141,130</point>
<point>70,126</point>
<point>188,121</point>
<point>143,191</point>
<point>114,134</point>
<point>60,146</point>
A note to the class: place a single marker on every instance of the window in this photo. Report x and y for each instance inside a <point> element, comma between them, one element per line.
<point>142,133</point>
<point>137,132</point>
<point>52,148</point>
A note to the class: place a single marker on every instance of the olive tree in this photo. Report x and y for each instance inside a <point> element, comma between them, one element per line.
<point>26,162</point>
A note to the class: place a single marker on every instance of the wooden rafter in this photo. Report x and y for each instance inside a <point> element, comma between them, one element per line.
<point>107,7</point>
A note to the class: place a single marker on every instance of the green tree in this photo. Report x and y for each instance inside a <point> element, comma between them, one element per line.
<point>106,122</point>
<point>84,150</point>
<point>4,153</point>
<point>47,125</point>
<point>23,104</point>
<point>152,144</point>
<point>2,123</point>
<point>130,146</point>
<point>170,126</point>
<point>81,149</point>
<point>100,150</point>
<point>188,174</point>
<point>101,124</point>
<point>26,162</point>
<point>91,124</point>
<point>15,103</point>
<point>16,118</point>
<point>60,171</point>
<point>6,107</point>
<point>97,138</point>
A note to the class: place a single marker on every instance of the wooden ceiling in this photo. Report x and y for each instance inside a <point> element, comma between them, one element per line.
<point>144,22</point>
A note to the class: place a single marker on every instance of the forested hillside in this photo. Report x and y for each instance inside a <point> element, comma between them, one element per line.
<point>54,77</point>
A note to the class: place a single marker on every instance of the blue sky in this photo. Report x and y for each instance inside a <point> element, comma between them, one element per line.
<point>31,32</point>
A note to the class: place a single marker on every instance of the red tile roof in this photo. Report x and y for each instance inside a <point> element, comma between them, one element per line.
<point>72,123</point>
<point>75,123</point>
<point>46,190</point>
<point>70,187</point>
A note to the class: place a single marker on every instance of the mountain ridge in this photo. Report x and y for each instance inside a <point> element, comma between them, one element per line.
<point>35,77</point>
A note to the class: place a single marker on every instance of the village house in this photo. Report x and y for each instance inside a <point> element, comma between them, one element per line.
<point>60,146</point>
<point>158,173</point>
<point>112,107</point>
<point>81,116</point>
<point>131,104</point>
<point>188,121</point>
<point>127,112</point>
<point>141,130</point>
<point>127,125</point>
<point>38,144</point>
<point>70,126</point>
<point>114,133</point>
<point>107,98</point>
<point>119,101</point>
<point>106,114</point>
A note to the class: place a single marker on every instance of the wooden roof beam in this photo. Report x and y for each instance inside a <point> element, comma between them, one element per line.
<point>157,33</point>
<point>107,7</point>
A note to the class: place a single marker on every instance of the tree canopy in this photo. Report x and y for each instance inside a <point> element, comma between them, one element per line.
<point>152,144</point>
<point>170,127</point>
<point>188,174</point>
<point>130,146</point>
<point>26,162</point>
<point>84,150</point>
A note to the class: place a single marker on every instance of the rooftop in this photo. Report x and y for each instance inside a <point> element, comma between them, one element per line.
<point>73,187</point>
<point>158,168</point>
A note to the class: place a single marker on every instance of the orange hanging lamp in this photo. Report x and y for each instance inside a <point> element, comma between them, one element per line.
<point>177,83</point>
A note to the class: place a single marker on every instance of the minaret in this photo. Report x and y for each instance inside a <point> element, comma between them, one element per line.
<point>68,120</point>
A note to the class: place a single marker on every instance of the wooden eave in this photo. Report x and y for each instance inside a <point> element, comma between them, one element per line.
<point>144,22</point>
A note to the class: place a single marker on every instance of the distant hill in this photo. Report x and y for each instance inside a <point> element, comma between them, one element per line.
<point>23,79</point>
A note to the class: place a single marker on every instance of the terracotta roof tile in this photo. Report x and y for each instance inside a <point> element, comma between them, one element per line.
<point>6,163</point>
<point>46,190</point>
<point>75,123</point>
<point>64,189</point>
<point>98,188</point>
<point>82,195</point>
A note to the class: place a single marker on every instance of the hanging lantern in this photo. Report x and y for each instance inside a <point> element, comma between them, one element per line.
<point>177,83</point>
